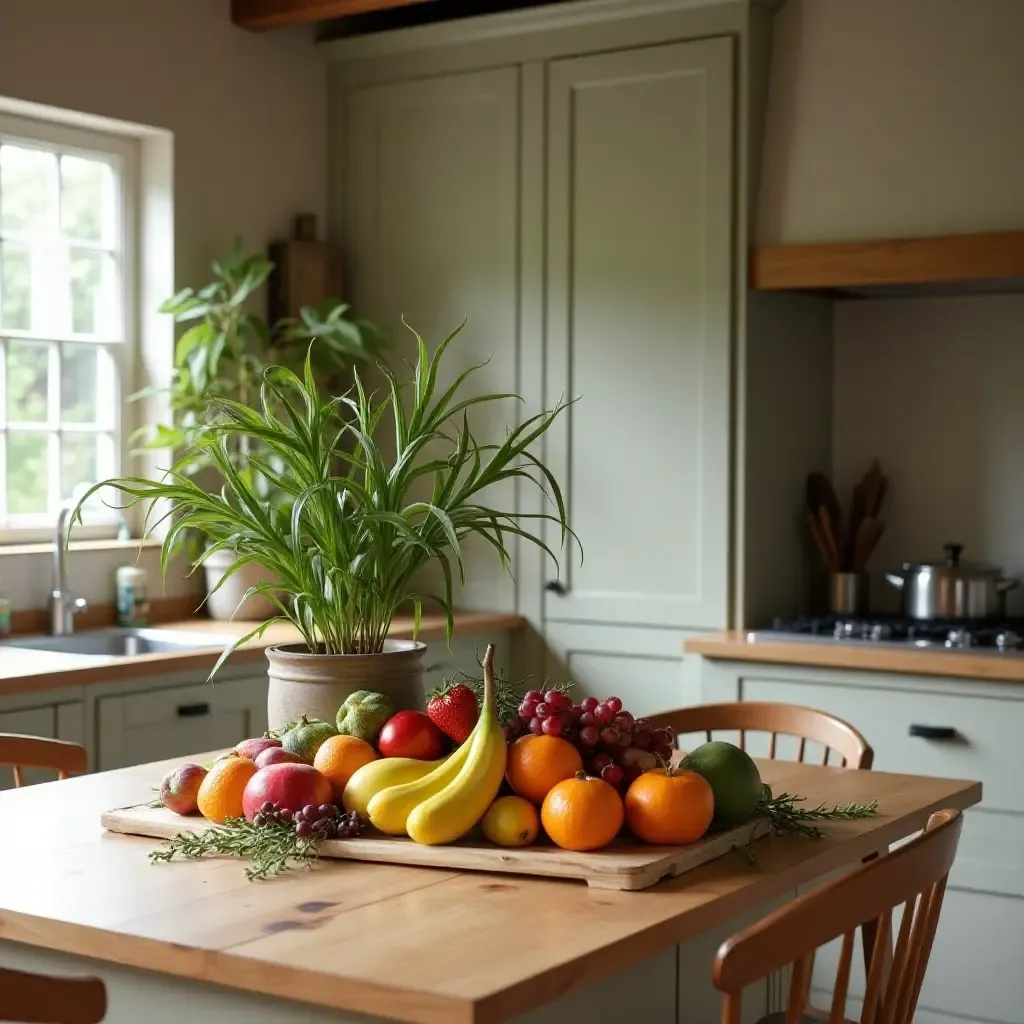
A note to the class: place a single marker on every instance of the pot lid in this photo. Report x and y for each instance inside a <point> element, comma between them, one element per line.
<point>953,565</point>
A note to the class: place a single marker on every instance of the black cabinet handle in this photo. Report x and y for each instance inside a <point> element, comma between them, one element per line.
<point>555,587</point>
<point>193,710</point>
<point>933,732</point>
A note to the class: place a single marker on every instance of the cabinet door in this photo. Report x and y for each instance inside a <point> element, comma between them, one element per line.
<point>432,210</point>
<point>639,327</point>
<point>179,721</point>
<point>645,668</point>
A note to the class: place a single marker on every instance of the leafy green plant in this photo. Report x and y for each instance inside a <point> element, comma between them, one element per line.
<point>348,542</point>
<point>227,347</point>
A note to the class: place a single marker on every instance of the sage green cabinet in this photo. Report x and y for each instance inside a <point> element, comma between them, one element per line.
<point>638,325</point>
<point>177,721</point>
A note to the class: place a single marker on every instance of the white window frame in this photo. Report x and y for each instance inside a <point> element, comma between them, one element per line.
<point>122,151</point>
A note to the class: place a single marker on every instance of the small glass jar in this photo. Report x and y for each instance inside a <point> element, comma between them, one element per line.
<point>132,596</point>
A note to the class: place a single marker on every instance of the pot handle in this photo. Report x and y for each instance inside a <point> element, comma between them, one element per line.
<point>1002,586</point>
<point>894,580</point>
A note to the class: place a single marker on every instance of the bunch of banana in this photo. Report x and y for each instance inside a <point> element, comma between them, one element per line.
<point>451,798</point>
<point>385,772</point>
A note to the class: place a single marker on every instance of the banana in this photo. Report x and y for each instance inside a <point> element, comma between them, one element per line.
<point>373,778</point>
<point>390,808</point>
<point>452,811</point>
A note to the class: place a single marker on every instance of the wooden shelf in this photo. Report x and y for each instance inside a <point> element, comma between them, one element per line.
<point>265,14</point>
<point>950,260</point>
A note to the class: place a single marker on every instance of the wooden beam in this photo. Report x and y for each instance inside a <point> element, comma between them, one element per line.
<point>260,15</point>
<point>947,258</point>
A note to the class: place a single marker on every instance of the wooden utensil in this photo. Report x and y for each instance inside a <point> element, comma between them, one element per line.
<point>819,541</point>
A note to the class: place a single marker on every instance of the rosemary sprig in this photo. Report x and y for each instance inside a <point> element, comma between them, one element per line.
<point>272,848</point>
<point>786,819</point>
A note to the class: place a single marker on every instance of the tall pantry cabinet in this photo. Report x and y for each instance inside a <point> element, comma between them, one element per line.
<point>573,180</point>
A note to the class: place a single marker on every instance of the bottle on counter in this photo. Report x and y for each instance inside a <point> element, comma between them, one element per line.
<point>5,618</point>
<point>132,596</point>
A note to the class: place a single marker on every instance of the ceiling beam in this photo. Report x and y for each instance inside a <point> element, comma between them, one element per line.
<point>259,15</point>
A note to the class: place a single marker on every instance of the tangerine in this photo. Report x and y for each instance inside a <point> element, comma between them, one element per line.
<point>582,813</point>
<point>669,807</point>
<point>340,757</point>
<point>511,821</point>
<point>220,794</point>
<point>536,764</point>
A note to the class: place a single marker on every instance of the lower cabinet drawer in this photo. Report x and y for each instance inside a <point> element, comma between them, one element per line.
<point>178,721</point>
<point>974,970</point>
<point>977,737</point>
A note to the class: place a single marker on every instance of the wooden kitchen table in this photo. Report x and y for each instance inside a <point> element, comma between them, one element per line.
<point>348,942</point>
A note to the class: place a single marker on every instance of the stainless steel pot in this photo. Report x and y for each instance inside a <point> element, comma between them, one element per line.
<point>952,589</point>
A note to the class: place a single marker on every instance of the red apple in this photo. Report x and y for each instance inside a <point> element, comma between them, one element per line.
<point>253,747</point>
<point>180,788</point>
<point>411,734</point>
<point>290,786</point>
<point>276,755</point>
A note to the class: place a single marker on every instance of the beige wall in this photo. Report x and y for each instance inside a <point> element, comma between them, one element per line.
<point>248,115</point>
<point>248,111</point>
<point>932,387</point>
<point>894,118</point>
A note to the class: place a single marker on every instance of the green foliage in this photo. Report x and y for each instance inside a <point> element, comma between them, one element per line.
<point>350,536</point>
<point>226,348</point>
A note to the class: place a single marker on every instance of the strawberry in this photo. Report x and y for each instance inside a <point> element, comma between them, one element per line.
<point>452,708</point>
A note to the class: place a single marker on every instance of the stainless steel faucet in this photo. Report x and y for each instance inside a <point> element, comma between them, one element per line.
<point>63,607</point>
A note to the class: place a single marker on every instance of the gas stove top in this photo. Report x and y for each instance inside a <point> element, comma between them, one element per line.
<point>998,636</point>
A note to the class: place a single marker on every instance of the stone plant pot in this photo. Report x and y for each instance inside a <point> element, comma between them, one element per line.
<point>316,685</point>
<point>222,604</point>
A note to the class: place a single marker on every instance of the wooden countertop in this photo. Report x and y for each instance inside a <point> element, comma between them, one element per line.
<point>23,670</point>
<point>406,943</point>
<point>733,645</point>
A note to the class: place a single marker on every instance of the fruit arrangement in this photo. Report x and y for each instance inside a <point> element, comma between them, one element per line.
<point>579,774</point>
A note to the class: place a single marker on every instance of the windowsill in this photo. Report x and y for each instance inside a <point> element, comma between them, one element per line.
<point>79,545</point>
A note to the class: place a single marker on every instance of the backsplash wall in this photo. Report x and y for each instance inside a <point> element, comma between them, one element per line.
<point>935,388</point>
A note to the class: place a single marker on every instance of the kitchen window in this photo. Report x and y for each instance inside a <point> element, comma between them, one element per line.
<point>66,318</point>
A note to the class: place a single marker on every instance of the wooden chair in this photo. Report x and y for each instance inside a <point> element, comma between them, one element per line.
<point>32,998</point>
<point>914,876</point>
<point>777,719</point>
<point>18,752</point>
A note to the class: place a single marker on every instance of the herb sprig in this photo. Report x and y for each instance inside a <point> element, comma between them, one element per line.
<point>272,848</point>
<point>786,819</point>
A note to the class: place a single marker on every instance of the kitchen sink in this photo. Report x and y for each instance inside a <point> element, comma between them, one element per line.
<point>120,642</point>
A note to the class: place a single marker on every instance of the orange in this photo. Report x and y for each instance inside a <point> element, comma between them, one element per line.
<point>220,795</point>
<point>582,813</point>
<point>538,763</point>
<point>511,821</point>
<point>669,806</point>
<point>340,757</point>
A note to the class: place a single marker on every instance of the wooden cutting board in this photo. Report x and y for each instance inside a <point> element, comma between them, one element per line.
<point>623,865</point>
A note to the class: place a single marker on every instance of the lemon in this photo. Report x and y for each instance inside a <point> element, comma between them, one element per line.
<point>511,821</point>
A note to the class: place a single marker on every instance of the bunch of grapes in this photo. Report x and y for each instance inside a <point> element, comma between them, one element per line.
<point>328,821</point>
<point>615,745</point>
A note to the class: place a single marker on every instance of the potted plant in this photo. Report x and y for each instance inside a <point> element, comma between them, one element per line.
<point>348,541</point>
<point>223,355</point>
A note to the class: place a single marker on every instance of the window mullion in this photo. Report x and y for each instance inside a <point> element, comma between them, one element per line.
<point>53,422</point>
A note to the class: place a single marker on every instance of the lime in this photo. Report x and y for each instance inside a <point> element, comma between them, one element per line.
<point>733,777</point>
<point>511,821</point>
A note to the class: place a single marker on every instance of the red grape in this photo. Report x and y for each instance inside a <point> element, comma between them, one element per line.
<point>610,736</point>
<point>589,703</point>
<point>665,753</point>
<point>310,813</point>
<point>527,710</point>
<point>601,761</point>
<point>624,718</point>
<point>553,697</point>
<point>612,774</point>
<point>304,829</point>
<point>589,736</point>
<point>662,737</point>
<point>537,725</point>
<point>604,713</point>
<point>615,704</point>
<point>552,726</point>
<point>534,695</point>
<point>588,718</point>
<point>544,709</point>
<point>642,736</point>
<point>575,713</point>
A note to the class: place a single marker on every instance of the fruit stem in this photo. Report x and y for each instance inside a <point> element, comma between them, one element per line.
<point>489,705</point>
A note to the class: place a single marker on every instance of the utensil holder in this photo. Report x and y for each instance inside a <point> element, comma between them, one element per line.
<point>848,593</point>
